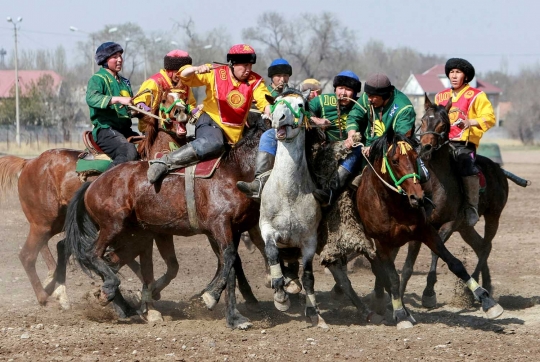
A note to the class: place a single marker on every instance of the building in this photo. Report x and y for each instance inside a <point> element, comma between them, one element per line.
<point>434,80</point>
<point>26,79</point>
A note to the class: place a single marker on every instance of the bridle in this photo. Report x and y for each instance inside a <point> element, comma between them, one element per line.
<point>442,137</point>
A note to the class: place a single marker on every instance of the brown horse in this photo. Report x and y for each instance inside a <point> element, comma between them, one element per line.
<point>448,215</point>
<point>44,202</point>
<point>122,202</point>
<point>389,200</point>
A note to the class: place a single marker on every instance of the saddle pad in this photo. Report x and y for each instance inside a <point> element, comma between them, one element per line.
<point>482,181</point>
<point>204,169</point>
<point>95,165</point>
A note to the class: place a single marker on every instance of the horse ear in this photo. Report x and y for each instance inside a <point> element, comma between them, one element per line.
<point>448,105</point>
<point>305,94</point>
<point>270,99</point>
<point>390,133</point>
<point>427,103</point>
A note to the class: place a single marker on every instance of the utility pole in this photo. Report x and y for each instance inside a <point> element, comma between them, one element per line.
<point>18,129</point>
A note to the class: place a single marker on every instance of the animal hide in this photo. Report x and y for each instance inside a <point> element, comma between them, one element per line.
<point>340,233</point>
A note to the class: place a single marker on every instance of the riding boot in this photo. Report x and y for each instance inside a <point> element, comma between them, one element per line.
<point>263,166</point>
<point>472,195</point>
<point>328,195</point>
<point>182,157</point>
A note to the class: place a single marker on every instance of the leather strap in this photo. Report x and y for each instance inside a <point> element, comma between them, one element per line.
<point>190,197</point>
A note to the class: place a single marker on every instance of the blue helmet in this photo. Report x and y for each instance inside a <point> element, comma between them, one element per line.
<point>348,78</point>
<point>279,66</point>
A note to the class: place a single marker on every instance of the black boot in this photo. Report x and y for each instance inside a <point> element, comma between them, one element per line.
<point>263,166</point>
<point>328,195</point>
<point>472,196</point>
<point>182,157</point>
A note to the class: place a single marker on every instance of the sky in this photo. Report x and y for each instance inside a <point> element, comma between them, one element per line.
<point>491,34</point>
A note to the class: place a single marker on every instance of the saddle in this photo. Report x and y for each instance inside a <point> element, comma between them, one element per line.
<point>203,169</point>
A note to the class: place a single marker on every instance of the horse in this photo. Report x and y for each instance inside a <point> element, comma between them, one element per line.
<point>44,202</point>
<point>448,215</point>
<point>290,214</point>
<point>390,201</point>
<point>122,202</point>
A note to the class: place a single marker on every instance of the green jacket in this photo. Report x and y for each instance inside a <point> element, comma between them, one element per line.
<point>102,86</point>
<point>273,92</point>
<point>398,114</point>
<point>326,106</point>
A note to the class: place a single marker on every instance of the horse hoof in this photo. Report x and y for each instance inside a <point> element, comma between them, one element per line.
<point>318,321</point>
<point>494,311</point>
<point>244,326</point>
<point>404,325</point>
<point>209,300</point>
<point>283,307</point>
<point>268,281</point>
<point>154,316</point>
<point>293,287</point>
<point>375,318</point>
<point>61,296</point>
<point>429,302</point>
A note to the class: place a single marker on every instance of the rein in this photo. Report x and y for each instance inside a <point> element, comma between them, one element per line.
<point>301,113</point>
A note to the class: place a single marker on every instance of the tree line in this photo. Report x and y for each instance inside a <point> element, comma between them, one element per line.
<point>314,46</point>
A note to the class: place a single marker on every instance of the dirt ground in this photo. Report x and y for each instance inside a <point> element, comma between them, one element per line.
<point>89,333</point>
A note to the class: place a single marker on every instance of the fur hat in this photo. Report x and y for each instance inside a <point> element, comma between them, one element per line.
<point>378,84</point>
<point>105,50</point>
<point>176,59</point>
<point>348,79</point>
<point>241,53</point>
<point>461,64</point>
<point>279,66</point>
<point>311,84</point>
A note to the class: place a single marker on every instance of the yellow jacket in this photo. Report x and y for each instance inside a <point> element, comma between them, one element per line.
<point>149,94</point>
<point>210,103</point>
<point>475,105</point>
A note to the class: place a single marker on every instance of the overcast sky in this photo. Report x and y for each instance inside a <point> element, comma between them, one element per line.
<point>489,33</point>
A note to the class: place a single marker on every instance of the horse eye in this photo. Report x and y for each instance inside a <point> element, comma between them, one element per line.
<point>395,162</point>
<point>301,105</point>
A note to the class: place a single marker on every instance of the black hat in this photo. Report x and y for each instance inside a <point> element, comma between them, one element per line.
<point>279,66</point>
<point>378,84</point>
<point>461,64</point>
<point>176,59</point>
<point>105,50</point>
<point>348,79</point>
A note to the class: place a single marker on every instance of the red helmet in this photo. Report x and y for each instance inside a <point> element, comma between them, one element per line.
<point>241,53</point>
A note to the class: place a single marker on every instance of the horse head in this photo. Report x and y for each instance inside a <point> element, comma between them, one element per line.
<point>394,159</point>
<point>290,112</point>
<point>434,128</point>
<point>173,113</point>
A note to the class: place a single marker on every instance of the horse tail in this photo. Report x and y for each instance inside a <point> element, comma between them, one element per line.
<point>81,231</point>
<point>10,169</point>
<point>149,138</point>
<point>516,179</point>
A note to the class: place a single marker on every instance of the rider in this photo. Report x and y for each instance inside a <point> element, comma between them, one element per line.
<point>230,90</point>
<point>313,85</point>
<point>325,113</point>
<point>334,110</point>
<point>279,72</point>
<point>470,116</point>
<point>107,96</point>
<point>168,79</point>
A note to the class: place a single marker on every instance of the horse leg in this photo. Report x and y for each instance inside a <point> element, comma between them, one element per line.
<point>233,317</point>
<point>401,315</point>
<point>165,245</point>
<point>257,240</point>
<point>135,268</point>
<point>431,238</point>
<point>147,271</point>
<point>243,285</point>
<point>408,267</point>
<point>281,299</point>
<point>60,275</point>
<point>37,238</point>
<point>50,281</point>
<point>429,297</point>
<point>227,255</point>
<point>308,281</point>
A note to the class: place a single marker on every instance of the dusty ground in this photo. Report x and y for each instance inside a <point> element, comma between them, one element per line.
<point>88,333</point>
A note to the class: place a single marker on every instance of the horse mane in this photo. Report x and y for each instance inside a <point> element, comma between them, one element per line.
<point>250,139</point>
<point>441,112</point>
<point>150,137</point>
<point>381,145</point>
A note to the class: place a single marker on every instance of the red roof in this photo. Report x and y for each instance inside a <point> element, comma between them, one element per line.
<point>26,78</point>
<point>430,81</point>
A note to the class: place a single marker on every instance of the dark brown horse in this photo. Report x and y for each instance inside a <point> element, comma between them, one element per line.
<point>122,203</point>
<point>45,186</point>
<point>389,201</point>
<point>448,196</point>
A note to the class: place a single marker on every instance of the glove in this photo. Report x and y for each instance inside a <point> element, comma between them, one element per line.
<point>143,106</point>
